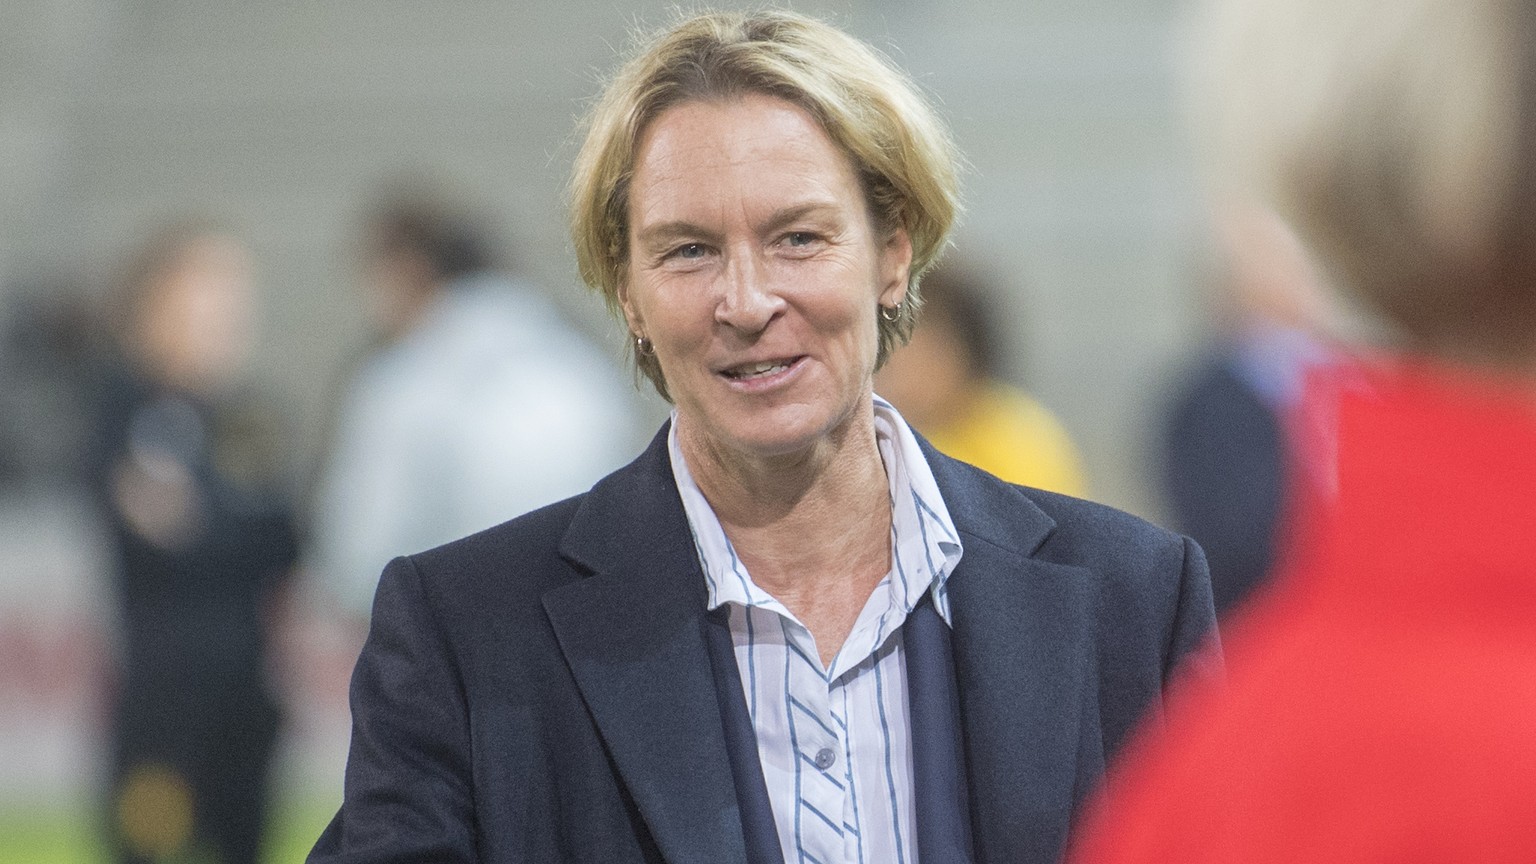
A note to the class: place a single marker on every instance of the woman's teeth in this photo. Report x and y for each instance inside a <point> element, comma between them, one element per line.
<point>757,370</point>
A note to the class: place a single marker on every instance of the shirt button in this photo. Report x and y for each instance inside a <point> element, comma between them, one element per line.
<point>825,757</point>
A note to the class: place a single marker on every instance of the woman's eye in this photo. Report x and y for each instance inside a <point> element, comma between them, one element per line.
<point>688,252</point>
<point>799,238</point>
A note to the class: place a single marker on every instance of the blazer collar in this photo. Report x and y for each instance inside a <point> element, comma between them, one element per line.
<point>633,635</point>
<point>985,507</point>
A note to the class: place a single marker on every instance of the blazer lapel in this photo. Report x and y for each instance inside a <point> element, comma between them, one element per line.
<point>1023,659</point>
<point>633,635</point>
<point>939,777</point>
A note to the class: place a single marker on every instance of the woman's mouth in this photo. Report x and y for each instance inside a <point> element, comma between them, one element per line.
<point>749,371</point>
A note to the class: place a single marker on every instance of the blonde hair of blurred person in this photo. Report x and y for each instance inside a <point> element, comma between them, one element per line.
<point>900,150</point>
<point>946,382</point>
<point>1395,138</point>
<point>1380,696</point>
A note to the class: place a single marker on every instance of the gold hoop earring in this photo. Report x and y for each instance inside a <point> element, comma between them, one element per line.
<point>644,347</point>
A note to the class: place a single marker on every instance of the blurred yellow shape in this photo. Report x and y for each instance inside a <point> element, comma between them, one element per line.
<point>154,810</point>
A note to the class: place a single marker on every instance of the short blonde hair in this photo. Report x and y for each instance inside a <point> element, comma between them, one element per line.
<point>1396,136</point>
<point>900,150</point>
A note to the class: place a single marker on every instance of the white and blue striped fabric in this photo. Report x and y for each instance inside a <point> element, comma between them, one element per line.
<point>835,743</point>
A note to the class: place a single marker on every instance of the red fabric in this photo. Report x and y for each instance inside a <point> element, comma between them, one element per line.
<point>1381,697</point>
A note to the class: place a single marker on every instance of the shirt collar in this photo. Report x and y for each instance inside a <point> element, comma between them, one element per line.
<point>925,545</point>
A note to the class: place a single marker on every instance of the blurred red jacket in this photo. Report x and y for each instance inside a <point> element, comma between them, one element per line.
<point>1381,698</point>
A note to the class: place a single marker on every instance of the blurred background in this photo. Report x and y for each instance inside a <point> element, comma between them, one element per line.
<point>280,129</point>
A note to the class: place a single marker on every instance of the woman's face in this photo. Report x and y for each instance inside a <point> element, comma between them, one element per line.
<point>757,273</point>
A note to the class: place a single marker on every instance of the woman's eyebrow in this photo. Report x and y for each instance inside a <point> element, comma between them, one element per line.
<point>663,233</point>
<point>789,215</point>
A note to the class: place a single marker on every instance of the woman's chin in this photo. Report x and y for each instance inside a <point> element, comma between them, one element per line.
<point>768,441</point>
<point>784,432</point>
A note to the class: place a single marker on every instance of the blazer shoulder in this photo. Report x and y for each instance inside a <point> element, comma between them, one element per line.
<point>1085,515</point>
<point>1097,535</point>
<point>518,556</point>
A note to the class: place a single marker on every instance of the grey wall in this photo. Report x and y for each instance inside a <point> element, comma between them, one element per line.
<point>283,115</point>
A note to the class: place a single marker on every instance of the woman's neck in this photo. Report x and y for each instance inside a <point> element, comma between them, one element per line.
<point>812,527</point>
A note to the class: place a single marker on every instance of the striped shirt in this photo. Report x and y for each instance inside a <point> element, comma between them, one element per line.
<point>835,743</point>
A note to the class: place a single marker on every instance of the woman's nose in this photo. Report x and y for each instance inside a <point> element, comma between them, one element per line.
<point>748,299</point>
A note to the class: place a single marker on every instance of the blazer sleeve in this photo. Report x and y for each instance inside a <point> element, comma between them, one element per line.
<point>408,795</point>
<point>1194,644</point>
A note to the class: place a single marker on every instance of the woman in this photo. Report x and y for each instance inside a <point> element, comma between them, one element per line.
<point>1383,689</point>
<point>789,630</point>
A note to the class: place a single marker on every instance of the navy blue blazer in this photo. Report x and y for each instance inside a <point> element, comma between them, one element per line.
<point>542,691</point>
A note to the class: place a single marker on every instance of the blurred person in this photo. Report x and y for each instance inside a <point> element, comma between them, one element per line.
<point>1383,689</point>
<point>789,631</point>
<point>187,478</point>
<point>480,403</point>
<point>1226,440</point>
<point>947,382</point>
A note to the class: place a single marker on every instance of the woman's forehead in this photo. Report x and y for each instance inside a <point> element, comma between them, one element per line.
<point>756,152</point>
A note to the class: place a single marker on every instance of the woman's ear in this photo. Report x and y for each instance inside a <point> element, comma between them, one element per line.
<point>895,267</point>
<point>631,315</point>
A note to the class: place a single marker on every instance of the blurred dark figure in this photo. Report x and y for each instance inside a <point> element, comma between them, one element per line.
<point>1382,689</point>
<point>947,382</point>
<point>186,478</point>
<point>480,402</point>
<point>1226,449</point>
